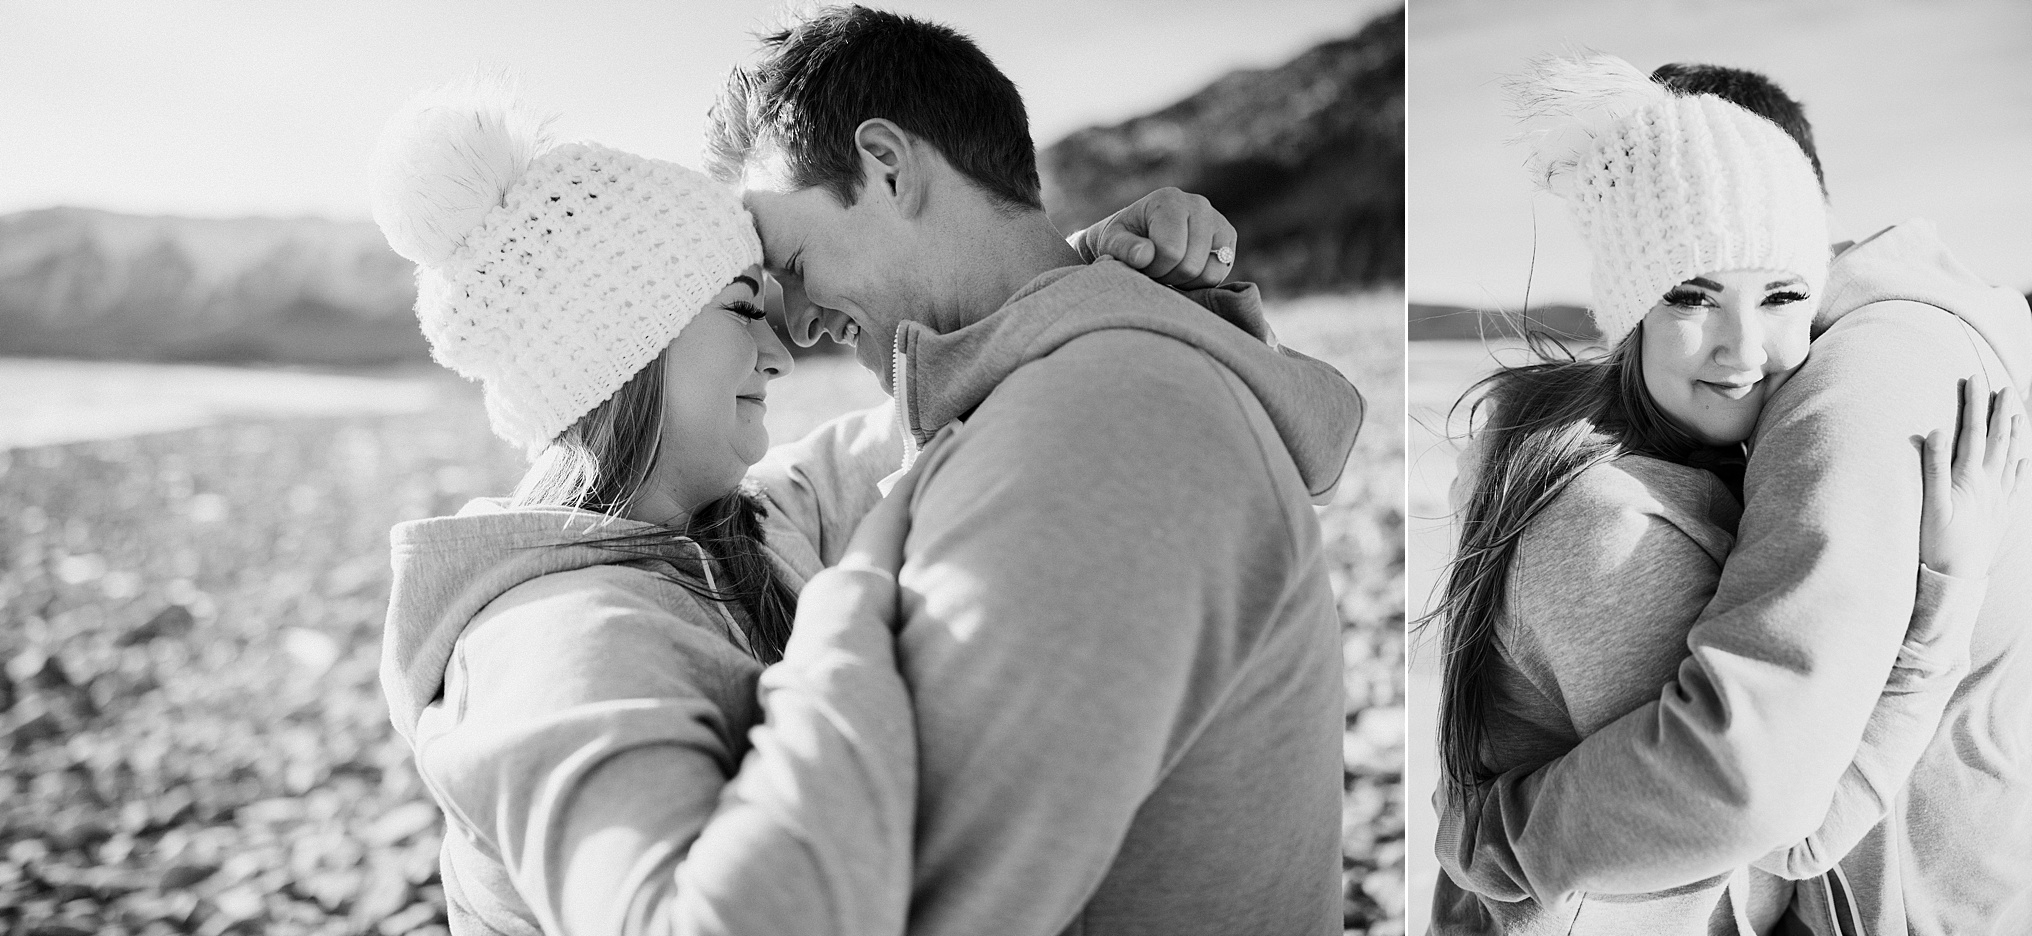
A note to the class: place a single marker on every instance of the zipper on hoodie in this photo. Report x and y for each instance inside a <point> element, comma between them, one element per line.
<point>899,384</point>
<point>899,380</point>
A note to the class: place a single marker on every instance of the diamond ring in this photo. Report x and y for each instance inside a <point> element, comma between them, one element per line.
<point>1225,254</point>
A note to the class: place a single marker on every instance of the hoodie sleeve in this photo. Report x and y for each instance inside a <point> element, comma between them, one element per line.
<point>1930,666</point>
<point>820,486</point>
<point>596,758</point>
<point>1744,751</point>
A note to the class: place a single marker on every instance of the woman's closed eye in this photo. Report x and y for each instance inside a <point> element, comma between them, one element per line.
<point>746,310</point>
<point>1785,297</point>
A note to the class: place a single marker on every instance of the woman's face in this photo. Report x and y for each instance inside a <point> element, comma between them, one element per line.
<point>1718,345</point>
<point>715,377</point>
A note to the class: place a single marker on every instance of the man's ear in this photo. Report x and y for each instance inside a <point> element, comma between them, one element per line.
<point>893,165</point>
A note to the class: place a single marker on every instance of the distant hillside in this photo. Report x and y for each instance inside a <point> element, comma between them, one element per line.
<point>1307,160</point>
<point>83,283</point>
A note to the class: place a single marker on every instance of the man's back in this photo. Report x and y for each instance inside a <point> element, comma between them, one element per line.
<point>1956,854</point>
<point>1123,652</point>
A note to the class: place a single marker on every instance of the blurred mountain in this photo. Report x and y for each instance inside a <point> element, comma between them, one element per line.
<point>84,283</point>
<point>1307,160</point>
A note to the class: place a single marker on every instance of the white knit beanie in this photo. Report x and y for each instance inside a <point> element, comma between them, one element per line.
<point>551,274</point>
<point>1664,186</point>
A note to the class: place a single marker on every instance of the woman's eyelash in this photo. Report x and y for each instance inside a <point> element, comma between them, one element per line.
<point>747,310</point>
<point>1686,298</point>
<point>1785,298</point>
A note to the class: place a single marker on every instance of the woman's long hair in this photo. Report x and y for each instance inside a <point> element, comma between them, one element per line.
<point>602,462</point>
<point>1541,425</point>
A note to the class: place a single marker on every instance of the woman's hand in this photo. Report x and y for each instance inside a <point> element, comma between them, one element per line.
<point>878,540</point>
<point>1962,513</point>
<point>1173,237</point>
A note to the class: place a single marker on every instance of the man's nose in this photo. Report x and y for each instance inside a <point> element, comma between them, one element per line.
<point>801,319</point>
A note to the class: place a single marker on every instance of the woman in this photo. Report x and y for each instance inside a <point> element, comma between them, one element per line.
<point>577,667</point>
<point>1600,498</point>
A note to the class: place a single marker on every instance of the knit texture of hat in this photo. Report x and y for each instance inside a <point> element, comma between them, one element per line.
<point>1666,187</point>
<point>551,275</point>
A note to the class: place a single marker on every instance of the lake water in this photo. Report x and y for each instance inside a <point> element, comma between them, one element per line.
<point>49,402</point>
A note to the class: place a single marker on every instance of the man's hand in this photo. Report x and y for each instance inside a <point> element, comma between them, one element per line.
<point>1170,236</point>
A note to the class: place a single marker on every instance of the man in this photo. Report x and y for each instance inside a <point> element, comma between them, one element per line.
<point>1118,631</point>
<point>1742,753</point>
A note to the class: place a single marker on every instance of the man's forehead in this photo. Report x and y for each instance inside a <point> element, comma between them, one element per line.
<point>774,223</point>
<point>765,187</point>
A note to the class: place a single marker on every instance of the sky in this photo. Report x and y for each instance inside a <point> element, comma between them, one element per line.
<point>1921,108</point>
<point>224,109</point>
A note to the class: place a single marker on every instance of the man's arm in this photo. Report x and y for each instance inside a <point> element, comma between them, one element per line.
<point>1742,753</point>
<point>1074,589</point>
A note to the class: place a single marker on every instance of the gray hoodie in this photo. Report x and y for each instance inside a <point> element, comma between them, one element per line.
<point>552,690</point>
<point>1743,752</point>
<point>1119,634</point>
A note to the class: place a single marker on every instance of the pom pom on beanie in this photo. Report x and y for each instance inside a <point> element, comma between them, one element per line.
<point>447,159</point>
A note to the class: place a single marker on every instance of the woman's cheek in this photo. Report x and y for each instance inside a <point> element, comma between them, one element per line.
<point>1792,347</point>
<point>1672,345</point>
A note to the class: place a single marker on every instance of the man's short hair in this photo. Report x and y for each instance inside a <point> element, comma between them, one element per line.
<point>821,78</point>
<point>1750,91</point>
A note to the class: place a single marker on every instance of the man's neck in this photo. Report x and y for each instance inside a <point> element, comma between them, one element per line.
<point>994,257</point>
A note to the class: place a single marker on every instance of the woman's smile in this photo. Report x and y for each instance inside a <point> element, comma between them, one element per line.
<point>1733,389</point>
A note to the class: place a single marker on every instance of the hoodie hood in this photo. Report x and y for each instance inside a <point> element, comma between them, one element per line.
<point>942,377</point>
<point>1908,261</point>
<point>448,568</point>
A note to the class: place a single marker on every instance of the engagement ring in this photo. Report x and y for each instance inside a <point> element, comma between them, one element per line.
<point>1225,254</point>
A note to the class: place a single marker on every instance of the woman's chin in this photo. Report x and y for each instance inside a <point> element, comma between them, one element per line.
<point>1718,436</point>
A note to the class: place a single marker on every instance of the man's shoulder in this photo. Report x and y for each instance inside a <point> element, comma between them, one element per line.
<point>1122,375</point>
<point>1107,282</point>
<point>1123,402</point>
<point>1882,359</point>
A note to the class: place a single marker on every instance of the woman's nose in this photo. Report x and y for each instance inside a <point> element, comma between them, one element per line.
<point>1739,343</point>
<point>771,357</point>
